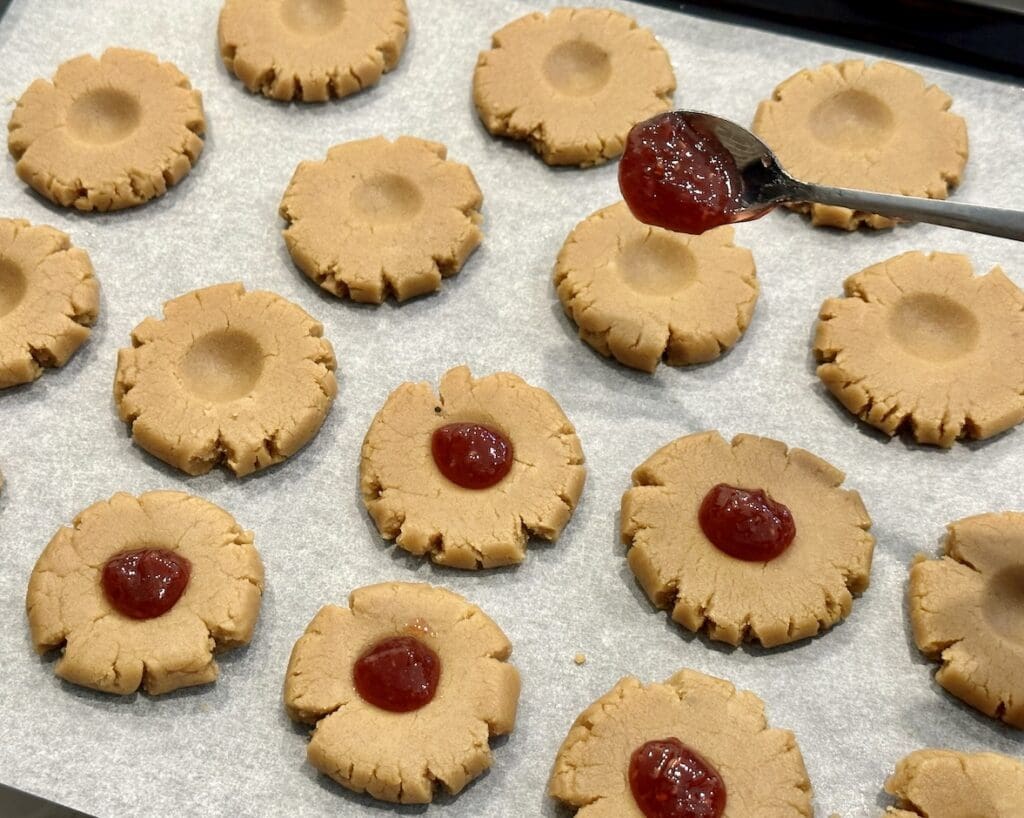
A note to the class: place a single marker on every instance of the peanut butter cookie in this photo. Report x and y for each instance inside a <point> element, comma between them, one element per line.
<point>311,50</point>
<point>465,476</point>
<point>748,539</point>
<point>643,294</point>
<point>405,687</point>
<point>921,344</point>
<point>379,217</point>
<point>107,134</point>
<point>692,736</point>
<point>947,784</point>
<point>48,300</point>
<point>873,127</point>
<point>143,590</point>
<point>572,83</point>
<point>967,610</point>
<point>228,376</point>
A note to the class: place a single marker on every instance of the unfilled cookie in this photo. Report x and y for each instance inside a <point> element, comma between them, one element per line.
<point>805,589</point>
<point>642,294</point>
<point>378,218</point>
<point>49,298</point>
<point>107,134</point>
<point>403,755</point>
<point>311,50</point>
<point>761,767</point>
<point>967,609</point>
<point>874,127</point>
<point>948,784</point>
<point>426,513</point>
<point>921,344</point>
<point>109,651</point>
<point>227,376</point>
<point>572,83</point>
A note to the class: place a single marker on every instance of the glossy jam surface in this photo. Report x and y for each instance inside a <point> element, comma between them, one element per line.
<point>471,455</point>
<point>146,583</point>
<point>674,174</point>
<point>746,523</point>
<point>399,674</point>
<point>669,780</point>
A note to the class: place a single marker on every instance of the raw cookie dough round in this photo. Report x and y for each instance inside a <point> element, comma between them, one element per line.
<point>642,294</point>
<point>400,757</point>
<point>921,343</point>
<point>107,134</point>
<point>967,610</point>
<point>228,376</point>
<point>947,784</point>
<point>379,217</point>
<point>572,83</point>
<point>876,127</point>
<point>414,504</point>
<point>761,767</point>
<point>311,50</point>
<point>108,651</point>
<point>804,590</point>
<point>48,300</point>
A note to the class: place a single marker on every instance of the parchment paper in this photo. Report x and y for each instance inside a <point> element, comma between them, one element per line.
<point>858,698</point>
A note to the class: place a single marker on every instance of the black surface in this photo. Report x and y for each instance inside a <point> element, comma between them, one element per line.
<point>18,804</point>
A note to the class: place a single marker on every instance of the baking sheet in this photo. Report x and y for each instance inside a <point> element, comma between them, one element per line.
<point>858,698</point>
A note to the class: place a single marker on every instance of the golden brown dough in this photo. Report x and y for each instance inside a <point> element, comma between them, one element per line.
<point>414,504</point>
<point>572,83</point>
<point>228,376</point>
<point>967,609</point>
<point>874,127</point>
<point>642,294</point>
<point>113,653</point>
<point>921,343</point>
<point>805,590</point>
<point>311,50</point>
<point>379,217</point>
<point>107,134</point>
<point>948,784</point>
<point>402,757</point>
<point>49,298</point>
<point>761,767</point>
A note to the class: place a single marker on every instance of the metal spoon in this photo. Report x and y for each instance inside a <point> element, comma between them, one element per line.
<point>766,184</point>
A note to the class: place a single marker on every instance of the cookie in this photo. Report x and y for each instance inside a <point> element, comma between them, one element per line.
<point>572,83</point>
<point>513,449</point>
<point>642,294</point>
<point>109,643</point>
<point>921,344</point>
<point>378,218</point>
<point>405,687</point>
<point>600,766</point>
<point>873,127</point>
<point>107,134</point>
<point>48,300</point>
<point>311,50</point>
<point>967,611</point>
<point>705,524</point>
<point>243,379</point>
<point>947,784</point>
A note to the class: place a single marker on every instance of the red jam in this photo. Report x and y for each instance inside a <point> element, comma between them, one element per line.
<point>146,583</point>
<point>669,780</point>
<point>745,523</point>
<point>399,674</point>
<point>471,455</point>
<point>677,175</point>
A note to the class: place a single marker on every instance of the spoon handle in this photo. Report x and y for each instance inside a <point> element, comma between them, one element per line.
<point>993,221</point>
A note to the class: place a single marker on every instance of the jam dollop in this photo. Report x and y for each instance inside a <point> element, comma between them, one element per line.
<point>676,174</point>
<point>145,583</point>
<point>669,780</point>
<point>471,455</point>
<point>399,674</point>
<point>746,523</point>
